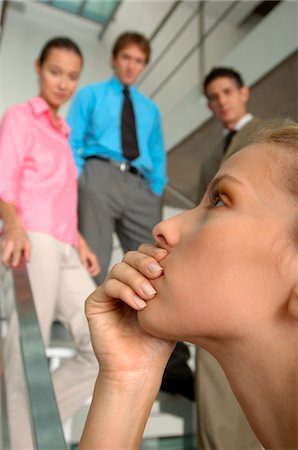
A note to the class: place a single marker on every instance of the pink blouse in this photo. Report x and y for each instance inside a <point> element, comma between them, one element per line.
<point>37,171</point>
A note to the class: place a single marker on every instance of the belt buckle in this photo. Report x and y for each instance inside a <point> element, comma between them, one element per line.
<point>123,167</point>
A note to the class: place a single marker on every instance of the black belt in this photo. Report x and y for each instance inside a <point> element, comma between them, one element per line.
<point>122,166</point>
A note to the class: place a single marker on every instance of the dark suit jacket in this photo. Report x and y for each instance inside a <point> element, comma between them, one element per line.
<point>211,165</point>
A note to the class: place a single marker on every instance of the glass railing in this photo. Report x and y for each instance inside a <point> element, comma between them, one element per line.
<point>16,302</point>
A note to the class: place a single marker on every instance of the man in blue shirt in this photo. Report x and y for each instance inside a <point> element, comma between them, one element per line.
<point>120,188</point>
<point>118,148</point>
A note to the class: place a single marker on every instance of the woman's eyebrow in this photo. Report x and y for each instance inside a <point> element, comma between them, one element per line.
<point>220,178</point>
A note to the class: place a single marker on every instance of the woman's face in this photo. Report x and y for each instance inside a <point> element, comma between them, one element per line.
<point>59,75</point>
<point>230,260</point>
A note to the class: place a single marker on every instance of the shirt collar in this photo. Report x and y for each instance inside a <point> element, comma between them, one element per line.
<point>39,107</point>
<point>118,86</point>
<point>241,123</point>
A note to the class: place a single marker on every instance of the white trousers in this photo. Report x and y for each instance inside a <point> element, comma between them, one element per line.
<point>60,286</point>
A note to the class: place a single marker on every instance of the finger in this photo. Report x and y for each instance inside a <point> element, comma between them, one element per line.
<point>17,255</point>
<point>2,243</point>
<point>7,252</point>
<point>116,289</point>
<point>151,250</point>
<point>93,266</point>
<point>128,275</point>
<point>94,271</point>
<point>84,261</point>
<point>145,264</point>
<point>91,270</point>
<point>98,266</point>
<point>27,251</point>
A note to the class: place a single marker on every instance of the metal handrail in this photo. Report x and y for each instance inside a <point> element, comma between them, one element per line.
<point>164,20</point>
<point>189,204</point>
<point>3,12</point>
<point>4,417</point>
<point>170,44</point>
<point>44,415</point>
<point>194,48</point>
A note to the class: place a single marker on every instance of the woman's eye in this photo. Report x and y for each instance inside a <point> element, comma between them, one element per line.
<point>218,202</point>
<point>215,200</point>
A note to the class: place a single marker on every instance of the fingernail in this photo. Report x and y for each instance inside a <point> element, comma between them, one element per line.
<point>154,267</point>
<point>139,302</point>
<point>158,250</point>
<point>148,289</point>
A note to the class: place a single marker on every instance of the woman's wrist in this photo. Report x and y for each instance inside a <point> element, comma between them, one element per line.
<point>119,411</point>
<point>9,215</point>
<point>13,225</point>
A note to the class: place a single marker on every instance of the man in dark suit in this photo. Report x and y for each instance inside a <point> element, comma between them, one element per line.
<point>227,99</point>
<point>221,422</point>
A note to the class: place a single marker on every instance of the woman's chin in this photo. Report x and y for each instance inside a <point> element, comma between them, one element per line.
<point>148,321</point>
<point>155,323</point>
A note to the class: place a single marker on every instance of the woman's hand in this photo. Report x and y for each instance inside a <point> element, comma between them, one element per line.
<point>122,347</point>
<point>87,257</point>
<point>131,361</point>
<point>15,246</point>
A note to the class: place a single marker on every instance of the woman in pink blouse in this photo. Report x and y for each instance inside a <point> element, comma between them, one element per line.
<point>38,207</point>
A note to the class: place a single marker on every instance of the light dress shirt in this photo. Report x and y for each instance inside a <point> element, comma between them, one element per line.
<point>95,121</point>
<point>37,171</point>
<point>241,123</point>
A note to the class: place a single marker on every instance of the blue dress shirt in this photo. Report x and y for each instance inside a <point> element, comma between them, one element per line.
<point>95,121</point>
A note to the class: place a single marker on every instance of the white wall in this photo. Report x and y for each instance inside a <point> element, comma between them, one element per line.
<point>27,27</point>
<point>269,43</point>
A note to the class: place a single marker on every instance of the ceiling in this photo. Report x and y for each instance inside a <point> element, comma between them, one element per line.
<point>100,11</point>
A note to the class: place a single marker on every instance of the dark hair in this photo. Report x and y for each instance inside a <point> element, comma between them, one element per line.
<point>59,42</point>
<point>223,72</point>
<point>129,38</point>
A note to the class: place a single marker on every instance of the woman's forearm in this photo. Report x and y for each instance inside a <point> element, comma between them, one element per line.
<point>15,244</point>
<point>118,414</point>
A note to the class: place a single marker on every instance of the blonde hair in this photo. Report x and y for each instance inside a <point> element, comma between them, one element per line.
<point>285,135</point>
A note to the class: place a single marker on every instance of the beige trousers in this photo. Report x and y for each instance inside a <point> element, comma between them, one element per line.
<point>60,285</point>
<point>221,422</point>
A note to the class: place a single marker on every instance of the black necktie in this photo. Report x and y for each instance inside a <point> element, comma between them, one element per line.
<point>228,138</point>
<point>129,139</point>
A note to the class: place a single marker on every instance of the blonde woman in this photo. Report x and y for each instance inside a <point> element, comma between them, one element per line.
<point>224,276</point>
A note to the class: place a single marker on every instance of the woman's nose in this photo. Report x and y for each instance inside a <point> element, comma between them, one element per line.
<point>166,233</point>
<point>62,83</point>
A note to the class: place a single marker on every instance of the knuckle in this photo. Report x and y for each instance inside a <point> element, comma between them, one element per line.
<point>128,255</point>
<point>116,268</point>
<point>125,292</point>
<point>144,247</point>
